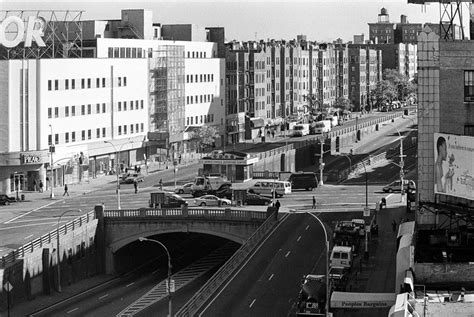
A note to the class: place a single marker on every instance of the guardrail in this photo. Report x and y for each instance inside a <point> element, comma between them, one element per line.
<point>46,239</point>
<point>223,274</point>
<point>218,213</point>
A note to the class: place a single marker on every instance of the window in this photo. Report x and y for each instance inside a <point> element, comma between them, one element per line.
<point>136,104</point>
<point>103,82</point>
<point>136,127</point>
<point>73,111</point>
<point>97,133</point>
<point>50,140</point>
<point>83,134</point>
<point>66,111</point>
<point>141,127</point>
<point>119,106</point>
<point>97,82</point>
<point>89,134</point>
<point>56,84</point>
<point>89,110</point>
<point>83,110</point>
<point>66,84</point>
<point>141,104</point>
<point>103,132</point>
<point>50,85</point>
<point>83,83</point>
<point>103,108</point>
<point>124,106</point>
<point>73,136</point>
<point>124,129</point>
<point>119,81</point>
<point>125,81</point>
<point>73,84</point>
<point>56,112</point>
<point>469,85</point>
<point>50,113</point>
<point>131,128</point>
<point>66,137</point>
<point>119,130</point>
<point>469,130</point>
<point>56,138</point>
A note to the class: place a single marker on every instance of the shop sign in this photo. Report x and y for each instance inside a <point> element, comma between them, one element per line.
<point>33,30</point>
<point>30,158</point>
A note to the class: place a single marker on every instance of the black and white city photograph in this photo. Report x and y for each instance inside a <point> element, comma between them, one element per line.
<point>244,158</point>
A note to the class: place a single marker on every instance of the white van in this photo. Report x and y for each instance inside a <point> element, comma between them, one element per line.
<point>322,126</point>
<point>301,129</point>
<point>341,256</point>
<point>266,188</point>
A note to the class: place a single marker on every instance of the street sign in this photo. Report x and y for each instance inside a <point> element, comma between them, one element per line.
<point>172,287</point>
<point>8,287</point>
<point>366,212</point>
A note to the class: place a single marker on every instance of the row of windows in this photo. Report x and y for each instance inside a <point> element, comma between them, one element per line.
<point>70,137</point>
<point>200,78</point>
<point>137,52</point>
<point>85,83</point>
<point>199,99</point>
<point>70,111</point>
<point>200,119</point>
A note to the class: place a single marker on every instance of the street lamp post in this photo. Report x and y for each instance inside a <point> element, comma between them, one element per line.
<point>402,164</point>
<point>58,256</point>
<point>141,239</point>
<point>327,260</point>
<point>51,150</point>
<point>366,209</point>
<point>117,168</point>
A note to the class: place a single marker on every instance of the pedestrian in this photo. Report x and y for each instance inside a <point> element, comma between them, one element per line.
<point>179,159</point>
<point>35,185</point>
<point>277,204</point>
<point>394,225</point>
<point>41,186</point>
<point>135,185</point>
<point>314,202</point>
<point>65,190</point>
<point>273,133</point>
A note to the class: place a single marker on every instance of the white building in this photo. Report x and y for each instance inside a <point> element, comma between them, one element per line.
<point>131,96</point>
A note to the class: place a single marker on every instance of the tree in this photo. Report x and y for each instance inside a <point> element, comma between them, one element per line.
<point>343,104</point>
<point>205,136</point>
<point>402,85</point>
<point>383,92</point>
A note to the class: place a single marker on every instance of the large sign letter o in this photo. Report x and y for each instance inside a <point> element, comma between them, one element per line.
<point>19,35</point>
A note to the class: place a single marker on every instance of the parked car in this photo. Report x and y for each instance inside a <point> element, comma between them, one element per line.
<point>222,192</point>
<point>339,277</point>
<point>131,178</point>
<point>211,200</point>
<point>184,189</point>
<point>6,200</point>
<point>254,199</point>
<point>395,186</point>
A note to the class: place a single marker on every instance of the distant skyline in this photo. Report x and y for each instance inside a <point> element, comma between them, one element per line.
<point>320,20</point>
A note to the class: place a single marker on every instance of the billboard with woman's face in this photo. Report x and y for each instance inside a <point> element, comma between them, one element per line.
<point>454,165</point>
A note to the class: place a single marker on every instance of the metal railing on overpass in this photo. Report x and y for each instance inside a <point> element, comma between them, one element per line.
<point>48,238</point>
<point>223,274</point>
<point>188,213</point>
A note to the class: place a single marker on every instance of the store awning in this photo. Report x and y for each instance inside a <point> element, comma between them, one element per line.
<point>406,228</point>
<point>257,123</point>
<point>362,300</point>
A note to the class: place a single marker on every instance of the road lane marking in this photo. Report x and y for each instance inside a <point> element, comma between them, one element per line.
<point>251,304</point>
<point>287,254</point>
<point>72,310</point>
<point>129,284</point>
<point>307,227</point>
<point>270,278</point>
<point>29,212</point>
<point>29,225</point>
<point>104,296</point>
<point>299,238</point>
<point>28,237</point>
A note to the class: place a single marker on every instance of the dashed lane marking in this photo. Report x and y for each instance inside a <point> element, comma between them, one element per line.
<point>73,310</point>
<point>29,212</point>
<point>251,304</point>
<point>27,237</point>
<point>307,227</point>
<point>130,284</point>
<point>270,278</point>
<point>104,296</point>
<point>287,254</point>
<point>299,238</point>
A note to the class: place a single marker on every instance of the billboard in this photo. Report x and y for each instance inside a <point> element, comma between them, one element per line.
<point>454,165</point>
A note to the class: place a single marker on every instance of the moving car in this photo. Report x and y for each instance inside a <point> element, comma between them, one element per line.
<point>224,191</point>
<point>131,178</point>
<point>396,185</point>
<point>211,200</point>
<point>254,199</point>
<point>166,199</point>
<point>303,180</point>
<point>184,189</point>
<point>6,200</point>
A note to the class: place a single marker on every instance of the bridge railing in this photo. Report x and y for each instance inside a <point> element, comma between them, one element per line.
<point>46,239</point>
<point>205,213</point>
<point>223,274</point>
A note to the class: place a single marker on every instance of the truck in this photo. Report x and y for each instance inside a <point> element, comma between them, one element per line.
<point>321,127</point>
<point>312,296</point>
<point>348,233</point>
<point>208,183</point>
<point>164,199</point>
<point>301,129</point>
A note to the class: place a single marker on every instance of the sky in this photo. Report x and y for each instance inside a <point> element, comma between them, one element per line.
<point>319,20</point>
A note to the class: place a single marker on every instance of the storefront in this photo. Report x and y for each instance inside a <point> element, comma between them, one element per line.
<point>236,166</point>
<point>22,171</point>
